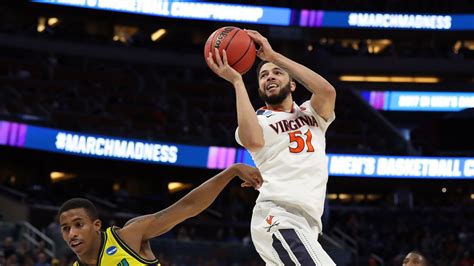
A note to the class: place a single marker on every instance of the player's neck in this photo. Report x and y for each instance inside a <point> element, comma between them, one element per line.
<point>285,106</point>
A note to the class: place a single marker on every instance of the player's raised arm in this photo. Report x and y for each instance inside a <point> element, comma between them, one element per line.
<point>152,225</point>
<point>324,95</point>
<point>250,131</point>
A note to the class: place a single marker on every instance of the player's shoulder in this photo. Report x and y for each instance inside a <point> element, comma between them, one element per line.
<point>109,229</point>
<point>305,105</point>
<point>307,108</point>
<point>111,233</point>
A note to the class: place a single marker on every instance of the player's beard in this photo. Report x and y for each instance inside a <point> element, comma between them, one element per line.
<point>276,98</point>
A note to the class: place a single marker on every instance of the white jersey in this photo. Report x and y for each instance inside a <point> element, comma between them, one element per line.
<point>293,161</point>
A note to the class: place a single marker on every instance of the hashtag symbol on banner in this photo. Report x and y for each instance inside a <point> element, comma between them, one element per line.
<point>60,141</point>
<point>352,19</point>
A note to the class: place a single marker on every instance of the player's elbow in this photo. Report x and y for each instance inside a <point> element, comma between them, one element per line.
<point>253,144</point>
<point>251,138</point>
<point>329,91</point>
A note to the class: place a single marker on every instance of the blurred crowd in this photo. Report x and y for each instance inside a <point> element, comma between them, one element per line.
<point>443,235</point>
<point>16,253</point>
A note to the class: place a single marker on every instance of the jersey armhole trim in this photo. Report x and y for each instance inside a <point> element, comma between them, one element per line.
<point>130,251</point>
<point>102,246</point>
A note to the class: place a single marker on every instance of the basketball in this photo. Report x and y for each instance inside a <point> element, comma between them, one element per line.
<point>239,47</point>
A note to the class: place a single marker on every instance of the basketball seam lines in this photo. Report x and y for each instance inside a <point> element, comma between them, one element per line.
<point>242,56</point>
<point>230,41</point>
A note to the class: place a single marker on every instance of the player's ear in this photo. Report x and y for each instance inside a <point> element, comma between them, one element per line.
<point>97,224</point>
<point>292,86</point>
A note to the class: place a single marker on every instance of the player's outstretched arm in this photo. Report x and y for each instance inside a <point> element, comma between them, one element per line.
<point>152,225</point>
<point>324,95</point>
<point>250,132</point>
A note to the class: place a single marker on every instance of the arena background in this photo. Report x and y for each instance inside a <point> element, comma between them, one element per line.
<point>401,149</point>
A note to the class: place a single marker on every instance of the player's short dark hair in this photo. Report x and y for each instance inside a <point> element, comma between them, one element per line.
<point>260,65</point>
<point>78,203</point>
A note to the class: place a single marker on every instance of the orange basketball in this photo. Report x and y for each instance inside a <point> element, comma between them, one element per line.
<point>239,47</point>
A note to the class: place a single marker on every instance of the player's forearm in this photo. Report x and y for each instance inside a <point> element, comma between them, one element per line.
<point>152,225</point>
<point>311,80</point>
<point>204,195</point>
<point>250,132</point>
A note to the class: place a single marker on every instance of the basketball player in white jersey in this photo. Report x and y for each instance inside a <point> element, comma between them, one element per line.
<point>287,144</point>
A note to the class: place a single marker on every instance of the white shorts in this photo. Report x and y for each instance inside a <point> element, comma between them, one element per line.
<point>284,236</point>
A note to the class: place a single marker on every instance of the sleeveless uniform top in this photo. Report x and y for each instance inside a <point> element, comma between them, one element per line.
<point>293,161</point>
<point>114,252</point>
